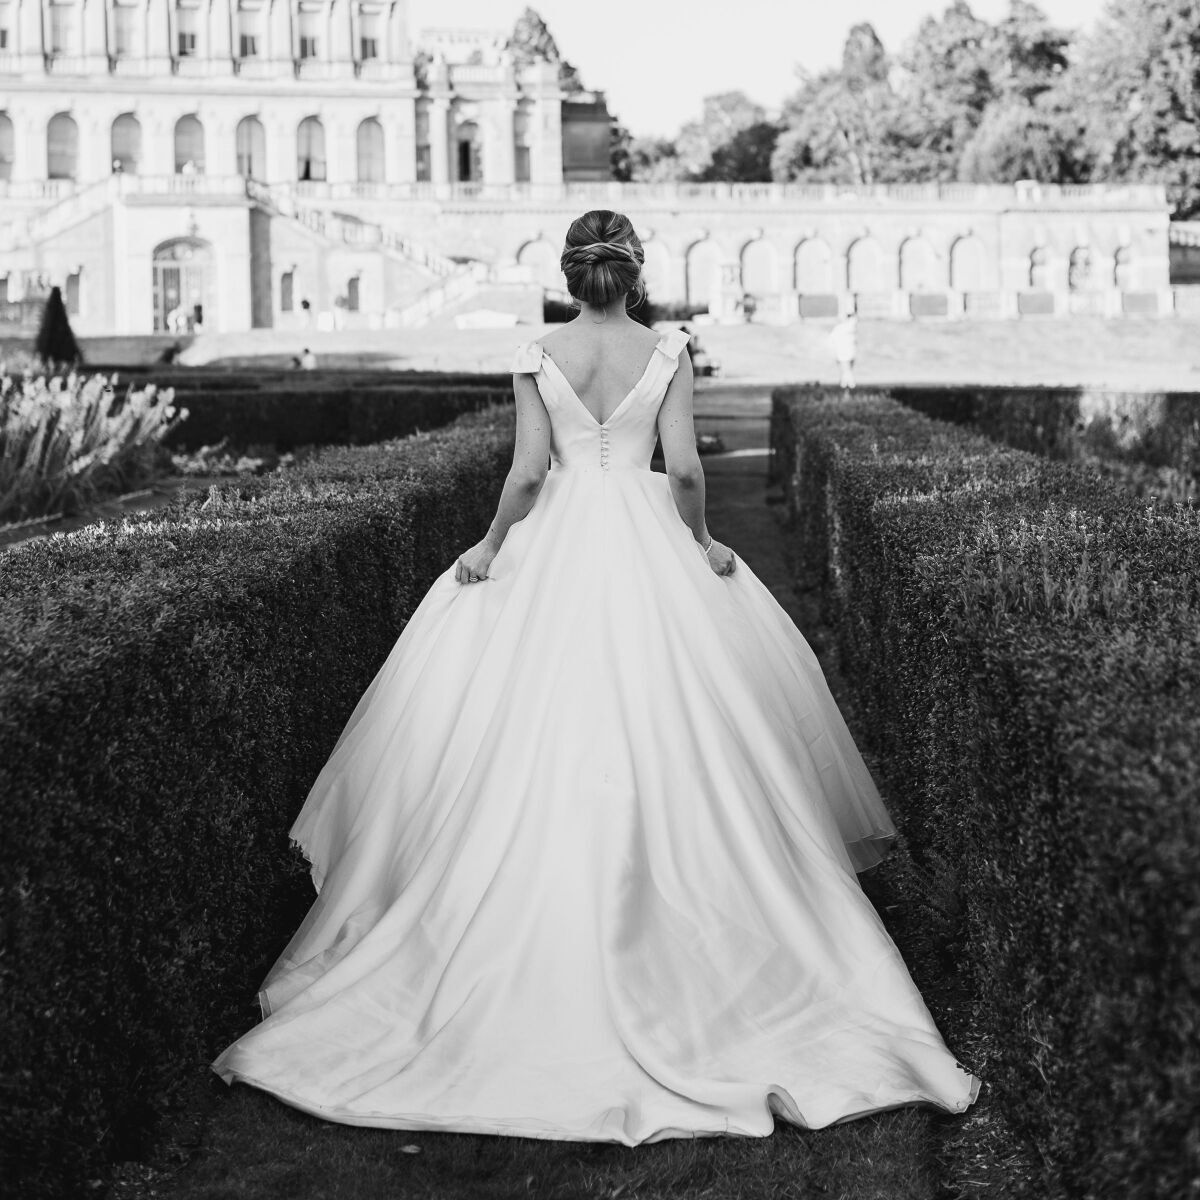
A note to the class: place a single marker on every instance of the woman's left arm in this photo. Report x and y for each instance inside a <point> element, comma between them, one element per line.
<point>523,483</point>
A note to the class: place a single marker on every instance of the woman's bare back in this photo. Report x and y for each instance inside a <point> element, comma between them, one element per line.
<point>601,361</point>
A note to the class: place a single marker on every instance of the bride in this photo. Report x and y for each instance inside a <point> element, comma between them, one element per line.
<point>585,851</point>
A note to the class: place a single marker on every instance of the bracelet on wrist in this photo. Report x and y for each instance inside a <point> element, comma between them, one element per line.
<point>709,546</point>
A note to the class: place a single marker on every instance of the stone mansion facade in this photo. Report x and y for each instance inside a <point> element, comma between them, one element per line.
<point>235,164</point>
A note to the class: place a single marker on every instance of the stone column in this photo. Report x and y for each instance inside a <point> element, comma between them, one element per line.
<point>220,144</point>
<point>439,137</point>
<point>499,159</point>
<point>95,144</point>
<point>158,37</point>
<point>29,133</point>
<point>279,133</point>
<point>399,121</point>
<point>220,30</point>
<point>94,39</point>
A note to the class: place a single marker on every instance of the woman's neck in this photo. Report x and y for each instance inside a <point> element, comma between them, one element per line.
<point>614,311</point>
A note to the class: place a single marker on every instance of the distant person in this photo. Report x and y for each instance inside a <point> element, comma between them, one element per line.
<point>308,360</point>
<point>306,311</point>
<point>295,362</point>
<point>843,341</point>
<point>749,306</point>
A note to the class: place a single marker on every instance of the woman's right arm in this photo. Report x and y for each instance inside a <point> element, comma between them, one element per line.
<point>677,431</point>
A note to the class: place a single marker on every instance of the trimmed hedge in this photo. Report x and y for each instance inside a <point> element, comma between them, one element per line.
<point>341,415</point>
<point>1153,429</point>
<point>170,686</point>
<point>1023,640</point>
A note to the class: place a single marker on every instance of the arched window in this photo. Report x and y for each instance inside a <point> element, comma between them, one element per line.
<point>370,151</point>
<point>251,148</point>
<point>6,146</point>
<point>1123,269</point>
<point>126,144</point>
<point>62,147</point>
<point>310,150</point>
<point>287,289</point>
<point>71,296</point>
<point>1039,269</point>
<point>189,146</point>
<point>352,298</point>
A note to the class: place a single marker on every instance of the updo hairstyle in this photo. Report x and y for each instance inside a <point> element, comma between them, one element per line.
<point>602,259</point>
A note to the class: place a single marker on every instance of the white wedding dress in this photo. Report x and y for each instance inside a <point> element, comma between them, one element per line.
<point>585,851</point>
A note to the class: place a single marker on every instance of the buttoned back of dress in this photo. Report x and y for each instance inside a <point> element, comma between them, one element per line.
<point>623,442</point>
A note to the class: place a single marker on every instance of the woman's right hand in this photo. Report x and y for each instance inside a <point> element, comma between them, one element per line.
<point>720,557</point>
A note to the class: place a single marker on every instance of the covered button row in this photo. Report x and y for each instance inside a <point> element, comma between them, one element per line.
<point>604,447</point>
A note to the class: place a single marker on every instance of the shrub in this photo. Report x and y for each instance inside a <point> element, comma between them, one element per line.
<point>342,414</point>
<point>169,688</point>
<point>65,442</point>
<point>1023,643</point>
<point>55,343</point>
<point>1154,436</point>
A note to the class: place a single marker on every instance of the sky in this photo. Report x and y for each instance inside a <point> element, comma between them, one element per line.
<point>657,59</point>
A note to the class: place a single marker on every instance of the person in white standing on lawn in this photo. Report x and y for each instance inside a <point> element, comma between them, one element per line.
<point>586,849</point>
<point>843,340</point>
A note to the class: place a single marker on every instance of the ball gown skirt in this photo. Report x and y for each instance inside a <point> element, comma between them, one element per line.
<point>585,850</point>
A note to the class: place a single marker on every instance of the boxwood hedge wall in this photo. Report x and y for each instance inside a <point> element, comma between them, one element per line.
<point>337,414</point>
<point>1024,643</point>
<point>170,686</point>
<point>1153,429</point>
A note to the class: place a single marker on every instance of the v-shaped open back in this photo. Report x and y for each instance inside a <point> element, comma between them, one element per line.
<point>626,437</point>
<point>546,358</point>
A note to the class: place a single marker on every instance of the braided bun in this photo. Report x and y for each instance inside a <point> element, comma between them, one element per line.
<point>602,258</point>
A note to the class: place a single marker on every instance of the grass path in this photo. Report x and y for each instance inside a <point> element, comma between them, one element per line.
<point>251,1147</point>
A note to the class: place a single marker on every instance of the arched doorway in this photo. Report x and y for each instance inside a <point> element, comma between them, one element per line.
<point>468,161</point>
<point>189,146</point>
<point>542,260</point>
<point>62,147</point>
<point>704,276</point>
<point>920,269</point>
<point>126,144</point>
<point>251,148</point>
<point>865,270</point>
<point>310,150</point>
<point>759,268</point>
<point>968,265</point>
<point>183,286</point>
<point>370,151</point>
<point>814,268</point>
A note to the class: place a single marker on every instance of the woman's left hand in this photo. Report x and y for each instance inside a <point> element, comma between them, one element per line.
<point>473,564</point>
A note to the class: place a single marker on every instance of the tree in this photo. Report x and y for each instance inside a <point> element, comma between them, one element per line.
<point>1017,140</point>
<point>1140,76</point>
<point>55,342</point>
<point>532,41</point>
<point>746,157</point>
<point>726,114</point>
<point>849,125</point>
<point>655,160</point>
